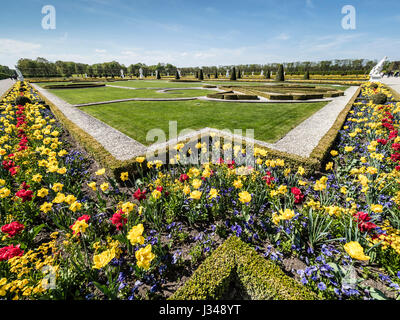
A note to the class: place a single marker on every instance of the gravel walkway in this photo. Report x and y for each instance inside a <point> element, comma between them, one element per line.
<point>305,137</point>
<point>392,82</point>
<point>118,144</point>
<point>5,85</point>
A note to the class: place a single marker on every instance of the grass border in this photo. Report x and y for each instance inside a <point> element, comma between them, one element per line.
<point>235,260</point>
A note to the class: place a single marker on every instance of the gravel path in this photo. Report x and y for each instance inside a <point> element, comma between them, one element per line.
<point>392,82</point>
<point>118,144</point>
<point>305,137</point>
<point>5,85</point>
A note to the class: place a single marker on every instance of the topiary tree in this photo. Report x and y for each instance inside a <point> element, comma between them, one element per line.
<point>379,98</point>
<point>177,77</point>
<point>158,75</point>
<point>307,75</point>
<point>233,74</point>
<point>22,100</point>
<point>216,74</point>
<point>196,75</point>
<point>201,76</point>
<point>239,76</point>
<point>268,74</point>
<point>280,75</point>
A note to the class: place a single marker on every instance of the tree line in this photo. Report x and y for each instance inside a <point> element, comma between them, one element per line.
<point>6,72</point>
<point>41,67</point>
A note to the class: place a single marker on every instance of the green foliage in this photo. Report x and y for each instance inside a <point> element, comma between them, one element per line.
<point>280,75</point>
<point>307,75</point>
<point>233,74</point>
<point>379,98</point>
<point>201,76</point>
<point>177,77</point>
<point>22,100</point>
<point>236,261</point>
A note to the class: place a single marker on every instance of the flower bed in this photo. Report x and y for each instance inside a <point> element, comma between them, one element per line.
<point>69,231</point>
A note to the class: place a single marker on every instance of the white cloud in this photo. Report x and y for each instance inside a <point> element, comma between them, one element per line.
<point>282,36</point>
<point>309,4</point>
<point>15,47</point>
<point>100,50</point>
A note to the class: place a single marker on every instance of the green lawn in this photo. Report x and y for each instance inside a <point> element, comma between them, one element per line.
<point>269,121</point>
<point>87,95</point>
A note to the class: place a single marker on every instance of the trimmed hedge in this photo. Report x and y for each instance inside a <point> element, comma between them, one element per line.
<point>74,85</point>
<point>183,80</point>
<point>236,261</point>
<point>230,95</point>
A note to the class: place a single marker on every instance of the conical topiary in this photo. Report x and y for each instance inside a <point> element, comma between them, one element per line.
<point>233,74</point>
<point>216,75</point>
<point>158,75</point>
<point>239,76</point>
<point>268,74</point>
<point>177,77</point>
<point>280,75</point>
<point>307,75</point>
<point>201,76</point>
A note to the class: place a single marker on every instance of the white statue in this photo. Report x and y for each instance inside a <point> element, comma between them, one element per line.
<point>252,73</point>
<point>122,74</point>
<point>262,73</point>
<point>141,73</point>
<point>179,72</point>
<point>376,72</point>
<point>227,73</point>
<point>19,74</point>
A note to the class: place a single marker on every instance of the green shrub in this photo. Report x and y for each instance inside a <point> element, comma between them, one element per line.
<point>236,261</point>
<point>280,75</point>
<point>379,98</point>
<point>233,74</point>
<point>374,85</point>
<point>307,75</point>
<point>177,77</point>
<point>239,76</point>
<point>201,76</point>
<point>268,74</point>
<point>22,100</point>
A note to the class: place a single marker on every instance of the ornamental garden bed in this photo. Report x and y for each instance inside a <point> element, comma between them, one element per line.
<point>143,236</point>
<point>287,92</point>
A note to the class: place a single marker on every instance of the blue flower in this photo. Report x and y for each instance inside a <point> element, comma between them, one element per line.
<point>321,286</point>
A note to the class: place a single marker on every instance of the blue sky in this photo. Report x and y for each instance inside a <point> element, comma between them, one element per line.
<point>198,32</point>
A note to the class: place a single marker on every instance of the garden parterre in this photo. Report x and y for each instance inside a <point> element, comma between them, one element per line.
<point>69,231</point>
